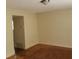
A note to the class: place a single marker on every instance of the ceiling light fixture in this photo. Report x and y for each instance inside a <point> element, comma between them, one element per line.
<point>45,2</point>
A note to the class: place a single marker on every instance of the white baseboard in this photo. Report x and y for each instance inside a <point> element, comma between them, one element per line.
<point>9,55</point>
<point>27,47</point>
<point>55,44</point>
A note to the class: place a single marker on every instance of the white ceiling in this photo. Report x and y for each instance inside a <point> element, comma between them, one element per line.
<point>36,6</point>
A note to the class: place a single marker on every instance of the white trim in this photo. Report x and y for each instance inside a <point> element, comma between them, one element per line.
<point>55,44</point>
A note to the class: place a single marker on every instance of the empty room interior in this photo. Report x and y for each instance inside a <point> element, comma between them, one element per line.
<point>38,29</point>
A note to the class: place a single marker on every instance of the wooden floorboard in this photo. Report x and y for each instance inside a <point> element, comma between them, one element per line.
<point>42,51</point>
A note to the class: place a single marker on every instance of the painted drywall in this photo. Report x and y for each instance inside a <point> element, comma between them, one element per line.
<point>31,30</point>
<point>9,37</point>
<point>55,27</point>
<point>30,25</point>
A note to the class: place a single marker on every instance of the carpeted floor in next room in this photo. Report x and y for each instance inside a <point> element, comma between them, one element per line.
<point>41,51</point>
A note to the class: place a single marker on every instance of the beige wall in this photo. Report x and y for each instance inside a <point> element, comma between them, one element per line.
<point>9,37</point>
<point>31,33</point>
<point>55,27</point>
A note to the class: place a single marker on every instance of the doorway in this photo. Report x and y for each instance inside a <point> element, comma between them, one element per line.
<point>18,33</point>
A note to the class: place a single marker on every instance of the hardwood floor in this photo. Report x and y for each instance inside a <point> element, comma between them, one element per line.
<point>41,51</point>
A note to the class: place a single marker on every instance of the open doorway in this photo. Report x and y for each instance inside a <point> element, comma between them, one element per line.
<point>18,33</point>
